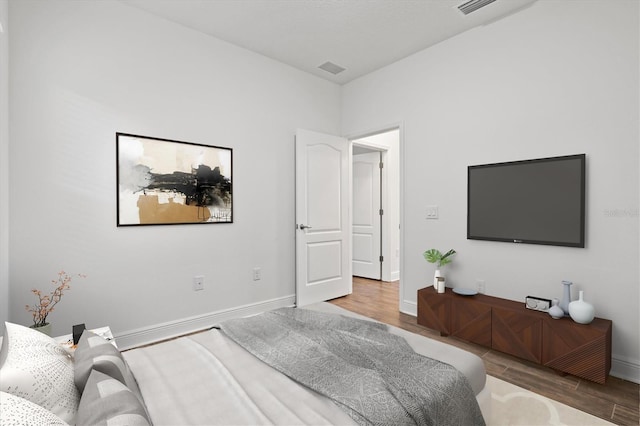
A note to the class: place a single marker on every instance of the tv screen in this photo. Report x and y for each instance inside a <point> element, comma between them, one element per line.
<point>539,201</point>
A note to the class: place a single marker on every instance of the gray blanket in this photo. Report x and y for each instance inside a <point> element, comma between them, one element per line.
<point>375,376</point>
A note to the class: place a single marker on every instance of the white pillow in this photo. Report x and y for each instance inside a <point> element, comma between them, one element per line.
<point>33,366</point>
<point>18,411</point>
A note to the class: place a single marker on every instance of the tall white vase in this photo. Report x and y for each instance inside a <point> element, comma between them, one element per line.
<point>436,274</point>
<point>566,298</point>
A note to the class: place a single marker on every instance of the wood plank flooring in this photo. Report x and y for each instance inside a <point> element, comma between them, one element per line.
<point>617,401</point>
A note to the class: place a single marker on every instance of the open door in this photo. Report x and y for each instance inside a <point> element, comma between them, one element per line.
<point>323,217</point>
<point>367,209</point>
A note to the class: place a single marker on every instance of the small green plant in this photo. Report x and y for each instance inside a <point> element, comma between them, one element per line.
<point>435,256</point>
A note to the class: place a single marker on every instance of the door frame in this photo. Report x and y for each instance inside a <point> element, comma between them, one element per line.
<point>405,305</point>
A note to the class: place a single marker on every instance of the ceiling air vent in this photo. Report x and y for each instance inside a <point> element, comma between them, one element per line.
<point>473,5</point>
<point>332,68</point>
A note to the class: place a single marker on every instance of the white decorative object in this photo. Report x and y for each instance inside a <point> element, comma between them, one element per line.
<point>440,284</point>
<point>465,291</point>
<point>556,311</point>
<point>581,311</point>
<point>440,260</point>
<point>38,369</point>
<point>566,298</point>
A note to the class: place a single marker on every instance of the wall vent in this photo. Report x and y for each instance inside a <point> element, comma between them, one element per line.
<point>473,5</point>
<point>332,68</point>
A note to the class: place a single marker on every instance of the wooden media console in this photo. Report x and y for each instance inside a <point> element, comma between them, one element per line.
<point>583,350</point>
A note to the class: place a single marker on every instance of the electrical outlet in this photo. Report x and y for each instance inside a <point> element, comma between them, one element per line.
<point>257,274</point>
<point>481,286</point>
<point>198,282</point>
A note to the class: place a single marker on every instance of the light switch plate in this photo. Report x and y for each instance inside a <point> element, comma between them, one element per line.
<point>432,212</point>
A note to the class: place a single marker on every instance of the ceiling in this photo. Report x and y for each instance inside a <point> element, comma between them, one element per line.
<point>358,35</point>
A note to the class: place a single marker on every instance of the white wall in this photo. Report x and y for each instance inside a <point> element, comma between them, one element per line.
<point>4,162</point>
<point>82,71</point>
<point>553,79</point>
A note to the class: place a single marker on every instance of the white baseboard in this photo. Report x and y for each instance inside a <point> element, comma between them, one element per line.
<point>621,368</point>
<point>409,308</point>
<point>625,369</point>
<point>145,335</point>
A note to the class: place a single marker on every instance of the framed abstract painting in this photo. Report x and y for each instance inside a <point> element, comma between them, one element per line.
<point>168,182</point>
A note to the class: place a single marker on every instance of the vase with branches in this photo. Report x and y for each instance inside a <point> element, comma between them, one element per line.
<point>436,256</point>
<point>47,302</point>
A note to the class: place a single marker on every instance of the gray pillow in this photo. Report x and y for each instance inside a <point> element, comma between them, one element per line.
<point>107,401</point>
<point>96,353</point>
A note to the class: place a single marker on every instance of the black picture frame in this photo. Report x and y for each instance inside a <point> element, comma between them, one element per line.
<point>169,182</point>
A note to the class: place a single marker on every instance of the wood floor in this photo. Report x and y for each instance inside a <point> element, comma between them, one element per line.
<point>617,401</point>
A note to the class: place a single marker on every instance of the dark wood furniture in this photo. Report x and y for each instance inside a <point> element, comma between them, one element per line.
<point>583,350</point>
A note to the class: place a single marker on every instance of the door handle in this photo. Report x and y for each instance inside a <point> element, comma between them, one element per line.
<point>303,227</point>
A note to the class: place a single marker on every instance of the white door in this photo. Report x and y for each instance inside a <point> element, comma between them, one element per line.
<point>323,219</point>
<point>366,216</point>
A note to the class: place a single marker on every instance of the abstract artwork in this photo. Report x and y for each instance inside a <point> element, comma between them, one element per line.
<point>167,182</point>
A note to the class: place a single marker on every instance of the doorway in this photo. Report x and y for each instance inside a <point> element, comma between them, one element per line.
<point>376,206</point>
<point>324,200</point>
<point>367,213</point>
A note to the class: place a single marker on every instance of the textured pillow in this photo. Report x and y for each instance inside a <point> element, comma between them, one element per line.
<point>107,401</point>
<point>18,411</point>
<point>96,353</point>
<point>34,367</point>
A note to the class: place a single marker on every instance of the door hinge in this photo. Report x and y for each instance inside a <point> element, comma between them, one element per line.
<point>381,165</point>
<point>381,212</point>
<point>381,258</point>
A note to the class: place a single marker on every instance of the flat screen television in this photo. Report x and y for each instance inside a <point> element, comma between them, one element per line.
<point>540,201</point>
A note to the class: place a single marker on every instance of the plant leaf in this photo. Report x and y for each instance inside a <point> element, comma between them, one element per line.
<point>432,255</point>
<point>449,253</point>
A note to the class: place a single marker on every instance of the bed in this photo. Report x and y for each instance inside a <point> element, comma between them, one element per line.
<point>209,378</point>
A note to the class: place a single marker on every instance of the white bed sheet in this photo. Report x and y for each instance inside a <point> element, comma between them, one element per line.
<point>207,379</point>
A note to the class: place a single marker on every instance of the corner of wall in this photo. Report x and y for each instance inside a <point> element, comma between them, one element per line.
<point>4,161</point>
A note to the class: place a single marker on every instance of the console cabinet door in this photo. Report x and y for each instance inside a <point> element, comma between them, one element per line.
<point>434,311</point>
<point>578,349</point>
<point>516,334</point>
<point>471,320</point>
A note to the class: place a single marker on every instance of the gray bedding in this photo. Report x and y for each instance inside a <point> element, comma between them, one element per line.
<point>208,379</point>
<point>375,376</point>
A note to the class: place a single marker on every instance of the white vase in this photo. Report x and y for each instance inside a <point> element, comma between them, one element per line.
<point>581,311</point>
<point>566,298</point>
<point>436,274</point>
<point>556,311</point>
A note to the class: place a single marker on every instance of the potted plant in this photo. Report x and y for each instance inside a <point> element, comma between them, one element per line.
<point>41,310</point>
<point>435,256</point>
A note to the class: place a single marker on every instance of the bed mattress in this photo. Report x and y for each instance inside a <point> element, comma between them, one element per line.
<point>206,378</point>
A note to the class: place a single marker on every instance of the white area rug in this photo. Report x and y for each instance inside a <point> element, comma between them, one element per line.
<point>513,405</point>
